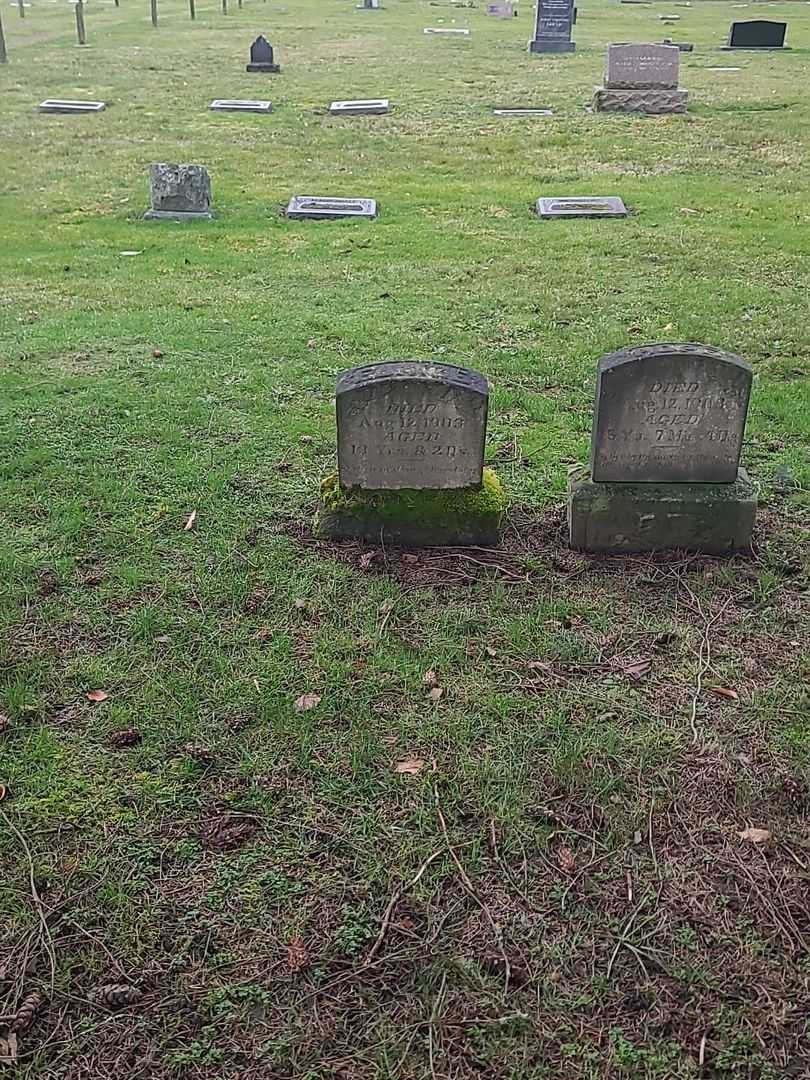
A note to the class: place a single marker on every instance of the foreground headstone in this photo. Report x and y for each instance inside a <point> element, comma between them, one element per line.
<point>60,105</point>
<point>757,34</point>
<point>179,193</point>
<point>364,107</point>
<point>261,57</point>
<point>240,105</point>
<point>411,458</point>
<point>585,206</point>
<point>665,450</point>
<point>325,208</point>
<point>552,27</point>
<point>641,78</point>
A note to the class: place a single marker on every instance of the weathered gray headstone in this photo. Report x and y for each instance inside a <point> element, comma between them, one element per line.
<point>672,413</point>
<point>60,105</point>
<point>667,433</point>
<point>361,107</point>
<point>588,206</point>
<point>240,105</point>
<point>642,67</point>
<point>179,192</point>
<point>411,425</point>
<point>261,57</point>
<point>324,208</point>
<point>552,27</point>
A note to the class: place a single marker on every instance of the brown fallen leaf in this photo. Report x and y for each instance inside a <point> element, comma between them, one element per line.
<point>566,860</point>
<point>307,702</point>
<point>189,525</point>
<point>3,792</point>
<point>436,694</point>
<point>157,353</point>
<point>637,668</point>
<point>409,559</point>
<point>97,695</point>
<point>725,691</point>
<point>411,766</point>
<point>756,836</point>
<point>298,958</point>
<point>366,559</point>
<point>491,653</point>
<point>5,723</point>
<point>429,678</point>
<point>227,831</point>
<point>126,737</point>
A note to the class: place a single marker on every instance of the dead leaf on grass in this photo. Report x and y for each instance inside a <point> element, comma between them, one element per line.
<point>97,695</point>
<point>411,766</point>
<point>189,525</point>
<point>125,737</point>
<point>5,723</point>
<point>298,958</point>
<point>756,836</point>
<point>725,691</point>
<point>430,678</point>
<point>307,702</point>
<point>566,861</point>
<point>436,694</point>
<point>300,604</point>
<point>8,1049</point>
<point>410,560</point>
<point>228,831</point>
<point>367,559</point>
<point>637,668</point>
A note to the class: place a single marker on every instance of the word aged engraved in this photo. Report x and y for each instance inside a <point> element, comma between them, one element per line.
<point>670,413</point>
<point>411,425</point>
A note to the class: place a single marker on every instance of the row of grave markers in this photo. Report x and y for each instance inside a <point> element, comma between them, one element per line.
<point>664,470</point>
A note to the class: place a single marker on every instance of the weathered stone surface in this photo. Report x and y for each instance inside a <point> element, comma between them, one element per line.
<point>669,414</point>
<point>650,102</point>
<point>324,208</point>
<point>261,57</point>
<point>64,105</point>
<point>411,425</point>
<point>360,107</point>
<point>240,105</point>
<point>552,27</point>
<point>642,67</point>
<point>428,518</point>
<point>587,206</point>
<point>757,34</point>
<point>717,519</point>
<point>179,191</point>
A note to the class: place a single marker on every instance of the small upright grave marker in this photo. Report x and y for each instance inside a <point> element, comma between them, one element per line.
<point>325,208</point>
<point>641,78</point>
<point>64,105</point>
<point>587,206</point>
<point>261,57</point>
<point>370,5</point>
<point>552,27</point>
<point>411,458</point>
<point>179,193</point>
<point>757,34</point>
<point>667,433</point>
<point>362,107</point>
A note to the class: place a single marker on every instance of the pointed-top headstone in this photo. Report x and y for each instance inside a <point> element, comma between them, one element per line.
<point>261,56</point>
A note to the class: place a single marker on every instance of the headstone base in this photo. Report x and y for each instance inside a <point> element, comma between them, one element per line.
<point>178,215</point>
<point>540,46</point>
<point>463,517</point>
<point>612,517</point>
<point>651,102</point>
<point>272,69</point>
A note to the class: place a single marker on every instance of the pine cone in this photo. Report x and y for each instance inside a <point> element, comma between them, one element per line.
<point>127,737</point>
<point>117,995</point>
<point>227,831</point>
<point>24,1016</point>
<point>203,755</point>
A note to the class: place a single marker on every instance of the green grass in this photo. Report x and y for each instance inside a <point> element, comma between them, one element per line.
<point>597,841</point>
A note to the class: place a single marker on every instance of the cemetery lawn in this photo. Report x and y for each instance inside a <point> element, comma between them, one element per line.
<point>345,812</point>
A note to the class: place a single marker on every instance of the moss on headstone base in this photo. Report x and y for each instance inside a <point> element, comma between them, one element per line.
<point>613,517</point>
<point>460,517</point>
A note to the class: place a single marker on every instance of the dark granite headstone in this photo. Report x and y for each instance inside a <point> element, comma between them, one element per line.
<point>552,27</point>
<point>411,425</point>
<point>669,413</point>
<point>757,34</point>
<point>261,56</point>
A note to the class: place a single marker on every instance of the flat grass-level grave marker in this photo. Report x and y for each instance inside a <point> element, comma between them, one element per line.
<point>757,34</point>
<point>325,208</point>
<point>522,112</point>
<point>665,450</point>
<point>179,193</point>
<point>585,206</point>
<point>411,441</point>
<point>240,105</point>
<point>501,11</point>
<point>449,31</point>
<point>361,107</point>
<point>553,22</point>
<point>261,57</point>
<point>641,78</point>
<point>64,105</point>
<point>681,46</point>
